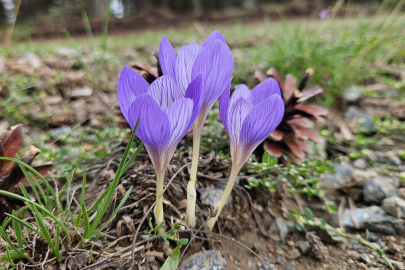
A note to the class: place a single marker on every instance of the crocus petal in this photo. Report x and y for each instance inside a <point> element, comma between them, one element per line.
<point>215,35</point>
<point>223,106</point>
<point>184,64</point>
<point>236,116</point>
<point>215,65</point>
<point>153,126</point>
<point>195,92</point>
<point>165,91</point>
<point>259,123</point>
<point>179,114</point>
<point>130,85</point>
<point>264,90</point>
<point>167,58</point>
<point>240,91</point>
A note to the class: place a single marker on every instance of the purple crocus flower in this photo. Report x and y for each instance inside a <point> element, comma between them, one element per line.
<point>165,115</point>
<point>212,61</point>
<point>249,117</point>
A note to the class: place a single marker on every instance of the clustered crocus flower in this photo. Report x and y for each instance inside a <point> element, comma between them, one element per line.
<point>165,114</point>
<point>191,83</point>
<point>212,61</point>
<point>248,117</point>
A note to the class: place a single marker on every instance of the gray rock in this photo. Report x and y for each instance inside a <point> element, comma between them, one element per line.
<point>365,258</point>
<point>363,176</point>
<point>360,163</point>
<point>304,247</point>
<point>326,236</point>
<point>399,226</point>
<point>343,175</point>
<point>279,230</point>
<point>366,124</point>
<point>353,93</point>
<point>212,194</point>
<point>352,112</point>
<point>370,215</point>
<point>398,265</point>
<point>394,206</point>
<point>394,248</point>
<point>267,267</point>
<point>205,260</point>
<point>353,254</point>
<point>396,161</point>
<point>377,189</point>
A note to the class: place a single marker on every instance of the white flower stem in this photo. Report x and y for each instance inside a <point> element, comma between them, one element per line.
<point>191,192</point>
<point>221,203</point>
<point>158,211</point>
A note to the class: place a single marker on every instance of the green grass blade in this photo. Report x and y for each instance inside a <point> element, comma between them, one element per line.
<point>124,199</point>
<point>86,221</point>
<point>5,237</point>
<point>26,224</point>
<point>10,260</point>
<point>113,185</point>
<point>46,235</point>
<point>87,26</point>
<point>132,158</point>
<point>57,235</point>
<point>105,28</point>
<point>32,183</point>
<point>16,196</point>
<point>8,219</point>
<point>18,234</point>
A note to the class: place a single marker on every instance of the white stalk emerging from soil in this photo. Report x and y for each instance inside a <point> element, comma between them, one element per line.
<point>191,191</point>
<point>228,189</point>
<point>158,211</point>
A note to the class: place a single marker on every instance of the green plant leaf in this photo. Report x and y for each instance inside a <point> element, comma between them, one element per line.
<point>266,157</point>
<point>182,241</point>
<point>171,263</point>
<point>308,214</point>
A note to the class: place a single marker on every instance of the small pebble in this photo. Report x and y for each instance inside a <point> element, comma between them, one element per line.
<point>353,254</point>
<point>350,261</point>
<point>394,248</point>
<point>365,258</point>
<point>293,254</point>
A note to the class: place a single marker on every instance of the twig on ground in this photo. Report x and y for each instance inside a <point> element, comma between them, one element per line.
<point>351,204</point>
<point>194,235</point>
<point>340,212</point>
<point>121,251</point>
<point>134,204</point>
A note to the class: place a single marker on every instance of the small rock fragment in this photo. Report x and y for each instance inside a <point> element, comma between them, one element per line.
<point>377,189</point>
<point>394,206</point>
<point>304,247</point>
<point>205,260</point>
<point>394,248</point>
<point>364,258</point>
<point>293,254</point>
<point>353,254</point>
<point>360,163</point>
<point>398,265</point>
<point>279,230</point>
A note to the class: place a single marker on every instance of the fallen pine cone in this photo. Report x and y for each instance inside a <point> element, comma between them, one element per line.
<point>297,125</point>
<point>11,174</point>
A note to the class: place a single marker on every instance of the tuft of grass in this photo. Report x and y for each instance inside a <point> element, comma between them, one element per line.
<point>54,218</point>
<point>339,51</point>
